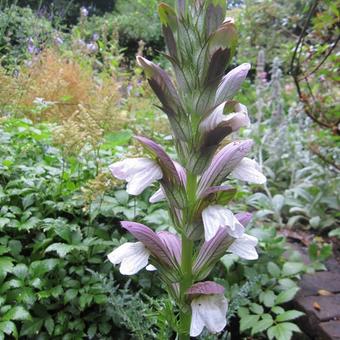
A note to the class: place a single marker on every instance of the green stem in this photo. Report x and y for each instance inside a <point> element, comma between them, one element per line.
<point>186,265</point>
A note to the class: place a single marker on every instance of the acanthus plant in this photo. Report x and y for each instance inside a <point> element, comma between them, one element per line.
<point>200,107</point>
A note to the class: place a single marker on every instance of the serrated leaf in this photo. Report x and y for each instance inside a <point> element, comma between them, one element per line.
<point>289,315</point>
<point>20,271</point>
<point>70,294</point>
<point>242,311</point>
<point>31,328</point>
<point>286,284</point>
<point>17,313</point>
<point>248,321</point>
<point>277,310</point>
<point>262,325</point>
<point>273,269</point>
<point>6,265</point>
<point>7,327</point>
<point>256,308</point>
<point>39,268</point>
<point>286,295</point>
<point>292,268</point>
<point>282,331</point>
<point>267,298</point>
<point>49,325</point>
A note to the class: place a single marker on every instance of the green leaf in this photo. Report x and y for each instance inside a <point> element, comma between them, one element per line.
<point>49,324</point>
<point>286,295</point>
<point>63,249</point>
<point>242,311</point>
<point>122,197</point>
<point>256,308</point>
<point>17,313</point>
<point>7,327</point>
<point>286,284</point>
<point>6,265</point>
<point>277,310</point>
<point>289,315</point>
<point>282,331</point>
<point>273,269</point>
<point>267,298</point>
<point>4,221</point>
<point>248,321</point>
<point>334,233</point>
<point>278,202</point>
<point>39,268</point>
<point>31,328</point>
<point>326,252</point>
<point>92,331</point>
<point>70,294</point>
<point>292,268</point>
<point>20,271</point>
<point>262,325</point>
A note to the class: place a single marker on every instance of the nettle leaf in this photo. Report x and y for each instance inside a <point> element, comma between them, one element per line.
<point>286,295</point>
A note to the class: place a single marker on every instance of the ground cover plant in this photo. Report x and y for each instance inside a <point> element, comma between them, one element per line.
<point>72,98</point>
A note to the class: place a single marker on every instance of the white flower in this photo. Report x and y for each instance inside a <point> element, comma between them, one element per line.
<point>216,216</point>
<point>138,172</point>
<point>132,258</point>
<point>248,170</point>
<point>208,311</point>
<point>236,119</point>
<point>158,196</point>
<point>245,247</point>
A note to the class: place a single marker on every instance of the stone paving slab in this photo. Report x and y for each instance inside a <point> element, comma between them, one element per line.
<point>311,284</point>
<point>324,308</point>
<point>330,330</point>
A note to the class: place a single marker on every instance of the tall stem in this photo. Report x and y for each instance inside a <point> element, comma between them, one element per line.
<point>187,249</point>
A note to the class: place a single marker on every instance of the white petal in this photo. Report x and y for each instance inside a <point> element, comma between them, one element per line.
<point>248,170</point>
<point>150,268</point>
<point>143,179</point>
<point>138,172</point>
<point>216,216</point>
<point>133,264</point>
<point>215,118</point>
<point>125,250</point>
<point>245,247</point>
<point>158,196</point>
<point>197,324</point>
<point>132,256</point>
<point>209,311</point>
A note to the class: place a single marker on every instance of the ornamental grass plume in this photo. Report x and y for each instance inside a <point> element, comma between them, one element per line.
<point>202,112</point>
